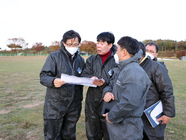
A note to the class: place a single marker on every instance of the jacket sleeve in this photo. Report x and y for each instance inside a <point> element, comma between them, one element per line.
<point>164,86</point>
<point>48,72</point>
<point>130,99</point>
<point>87,71</point>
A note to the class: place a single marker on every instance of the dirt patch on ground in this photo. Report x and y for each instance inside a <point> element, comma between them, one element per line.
<point>5,111</point>
<point>31,105</point>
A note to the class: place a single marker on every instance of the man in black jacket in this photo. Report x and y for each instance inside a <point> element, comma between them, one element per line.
<point>62,105</point>
<point>152,51</point>
<point>160,89</point>
<point>98,67</point>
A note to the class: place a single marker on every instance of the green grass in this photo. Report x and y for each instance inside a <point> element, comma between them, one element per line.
<point>176,128</point>
<point>22,97</point>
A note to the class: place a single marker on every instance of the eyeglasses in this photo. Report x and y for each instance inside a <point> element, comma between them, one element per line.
<point>72,45</point>
<point>150,51</point>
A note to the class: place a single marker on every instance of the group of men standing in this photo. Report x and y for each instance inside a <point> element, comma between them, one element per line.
<point>124,74</point>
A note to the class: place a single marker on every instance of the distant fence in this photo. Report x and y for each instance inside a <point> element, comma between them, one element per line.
<point>15,54</point>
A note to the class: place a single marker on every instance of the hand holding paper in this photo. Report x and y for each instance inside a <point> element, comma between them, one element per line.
<point>58,82</point>
<point>98,82</point>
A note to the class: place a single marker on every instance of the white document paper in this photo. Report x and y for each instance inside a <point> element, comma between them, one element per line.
<point>77,80</point>
<point>156,111</point>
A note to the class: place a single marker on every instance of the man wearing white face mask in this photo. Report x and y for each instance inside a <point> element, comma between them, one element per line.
<point>152,51</point>
<point>62,106</point>
<point>150,55</point>
<point>71,48</point>
<point>160,89</point>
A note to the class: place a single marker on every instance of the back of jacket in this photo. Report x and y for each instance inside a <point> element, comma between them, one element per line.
<point>130,85</point>
<point>57,100</point>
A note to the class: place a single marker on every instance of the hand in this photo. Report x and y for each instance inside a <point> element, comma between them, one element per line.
<point>58,82</point>
<point>106,115</point>
<point>99,82</point>
<point>93,77</point>
<point>165,119</point>
<point>108,96</point>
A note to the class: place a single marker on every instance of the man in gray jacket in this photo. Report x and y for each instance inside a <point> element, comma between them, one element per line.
<point>128,86</point>
<point>62,106</point>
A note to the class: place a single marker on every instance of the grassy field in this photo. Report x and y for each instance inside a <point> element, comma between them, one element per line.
<point>22,97</point>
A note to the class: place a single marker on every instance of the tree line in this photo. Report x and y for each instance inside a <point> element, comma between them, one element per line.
<point>167,48</point>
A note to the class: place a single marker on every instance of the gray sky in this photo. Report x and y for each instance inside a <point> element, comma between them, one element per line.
<point>47,20</point>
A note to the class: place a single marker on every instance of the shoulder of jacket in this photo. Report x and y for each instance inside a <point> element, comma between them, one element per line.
<point>128,68</point>
<point>158,69</point>
<point>156,64</point>
<point>56,52</point>
<point>92,57</point>
<point>80,57</point>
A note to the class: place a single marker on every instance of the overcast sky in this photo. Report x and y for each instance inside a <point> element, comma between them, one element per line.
<point>47,20</point>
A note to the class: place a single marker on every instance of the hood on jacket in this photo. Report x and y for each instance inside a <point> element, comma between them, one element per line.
<point>135,58</point>
<point>114,49</point>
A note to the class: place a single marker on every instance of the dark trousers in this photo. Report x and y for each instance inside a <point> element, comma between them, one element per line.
<point>96,128</point>
<point>150,133</point>
<point>65,127</point>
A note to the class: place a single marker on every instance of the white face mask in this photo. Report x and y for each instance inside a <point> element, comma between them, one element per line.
<point>151,56</point>
<point>72,50</point>
<point>116,58</point>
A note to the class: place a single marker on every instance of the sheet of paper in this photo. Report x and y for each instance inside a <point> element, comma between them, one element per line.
<point>77,80</point>
<point>156,111</point>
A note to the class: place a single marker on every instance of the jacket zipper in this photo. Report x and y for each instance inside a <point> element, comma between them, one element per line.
<point>73,86</point>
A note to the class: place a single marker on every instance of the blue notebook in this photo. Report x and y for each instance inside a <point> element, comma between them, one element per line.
<point>154,112</point>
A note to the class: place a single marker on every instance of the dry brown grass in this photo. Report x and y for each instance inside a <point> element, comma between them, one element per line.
<point>22,97</point>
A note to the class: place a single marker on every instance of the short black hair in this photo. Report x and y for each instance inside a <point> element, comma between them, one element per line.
<point>152,43</point>
<point>129,43</point>
<point>142,46</point>
<point>69,35</point>
<point>106,36</point>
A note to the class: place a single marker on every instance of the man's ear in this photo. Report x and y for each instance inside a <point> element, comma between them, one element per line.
<point>110,45</point>
<point>63,44</point>
<point>156,54</point>
<point>124,52</point>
